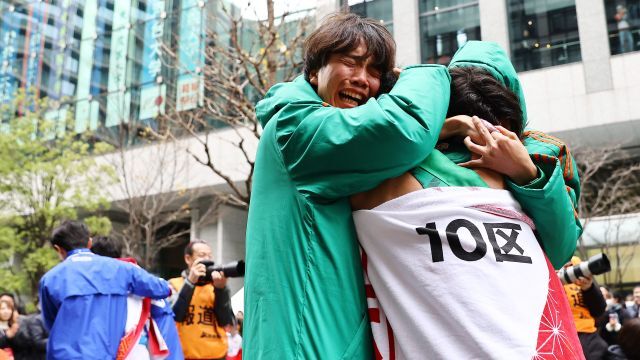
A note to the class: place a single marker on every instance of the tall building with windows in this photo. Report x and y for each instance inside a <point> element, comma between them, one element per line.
<point>105,65</point>
<point>114,67</point>
<point>578,62</point>
<point>103,58</point>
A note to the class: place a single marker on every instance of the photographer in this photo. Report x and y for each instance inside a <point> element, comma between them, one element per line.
<point>587,304</point>
<point>202,306</point>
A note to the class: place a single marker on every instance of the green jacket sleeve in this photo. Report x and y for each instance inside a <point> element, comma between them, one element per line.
<point>551,200</point>
<point>332,153</point>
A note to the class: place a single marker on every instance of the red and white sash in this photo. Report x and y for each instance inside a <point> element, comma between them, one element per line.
<point>139,319</point>
<point>457,273</point>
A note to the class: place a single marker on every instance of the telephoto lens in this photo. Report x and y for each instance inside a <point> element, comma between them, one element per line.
<point>232,269</point>
<point>596,265</point>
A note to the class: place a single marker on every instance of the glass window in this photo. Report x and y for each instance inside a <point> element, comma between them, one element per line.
<point>623,25</point>
<point>375,9</point>
<point>543,33</point>
<point>445,25</point>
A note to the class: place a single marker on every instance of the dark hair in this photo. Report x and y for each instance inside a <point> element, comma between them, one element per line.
<point>474,91</point>
<point>9,295</point>
<point>188,250</point>
<point>628,338</point>
<point>619,297</point>
<point>342,32</point>
<point>71,235</point>
<point>106,246</point>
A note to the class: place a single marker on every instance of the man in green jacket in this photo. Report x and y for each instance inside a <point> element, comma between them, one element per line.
<point>327,136</point>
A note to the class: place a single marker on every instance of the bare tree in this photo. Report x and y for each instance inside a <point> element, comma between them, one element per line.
<point>242,59</point>
<point>152,193</point>
<point>610,183</point>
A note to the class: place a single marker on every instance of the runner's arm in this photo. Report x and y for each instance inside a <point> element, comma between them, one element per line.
<point>147,285</point>
<point>332,153</point>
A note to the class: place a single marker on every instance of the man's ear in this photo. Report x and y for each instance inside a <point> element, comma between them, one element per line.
<point>313,78</point>
<point>62,253</point>
<point>89,243</point>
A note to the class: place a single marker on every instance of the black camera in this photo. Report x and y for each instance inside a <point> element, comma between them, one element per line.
<point>596,265</point>
<point>232,269</point>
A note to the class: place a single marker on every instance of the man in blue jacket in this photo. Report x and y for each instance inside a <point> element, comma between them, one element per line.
<point>84,298</point>
<point>161,311</point>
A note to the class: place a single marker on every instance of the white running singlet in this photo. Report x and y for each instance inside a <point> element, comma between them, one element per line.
<point>457,273</point>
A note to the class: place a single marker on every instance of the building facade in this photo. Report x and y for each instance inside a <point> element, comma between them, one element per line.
<point>577,60</point>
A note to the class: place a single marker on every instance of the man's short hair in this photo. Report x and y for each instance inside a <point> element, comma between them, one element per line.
<point>474,91</point>
<point>107,246</point>
<point>188,250</point>
<point>71,235</point>
<point>341,33</point>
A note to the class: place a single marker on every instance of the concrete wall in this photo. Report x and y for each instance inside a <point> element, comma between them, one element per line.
<point>179,170</point>
<point>558,100</point>
<point>594,97</point>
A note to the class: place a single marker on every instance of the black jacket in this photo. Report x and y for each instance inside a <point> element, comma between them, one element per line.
<point>30,342</point>
<point>221,307</point>
<point>4,341</point>
<point>615,353</point>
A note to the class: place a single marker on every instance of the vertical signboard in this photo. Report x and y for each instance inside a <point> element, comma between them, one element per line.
<point>8,51</point>
<point>119,99</point>
<point>59,50</point>
<point>190,87</point>
<point>85,66</point>
<point>33,46</point>
<point>38,13</point>
<point>152,94</point>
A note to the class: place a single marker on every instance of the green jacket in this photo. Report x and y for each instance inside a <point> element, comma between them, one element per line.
<point>550,200</point>
<point>304,289</point>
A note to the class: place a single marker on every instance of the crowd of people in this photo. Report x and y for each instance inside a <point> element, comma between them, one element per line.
<point>22,336</point>
<point>97,305</point>
<point>608,326</point>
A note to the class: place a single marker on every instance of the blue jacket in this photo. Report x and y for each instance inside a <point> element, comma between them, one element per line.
<point>162,313</point>
<point>84,303</point>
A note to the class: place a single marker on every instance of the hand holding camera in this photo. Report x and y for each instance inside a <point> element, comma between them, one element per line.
<point>206,271</point>
<point>199,274</point>
<point>577,274</point>
<point>219,281</point>
<point>197,270</point>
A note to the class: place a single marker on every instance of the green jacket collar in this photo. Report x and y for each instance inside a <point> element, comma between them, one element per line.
<point>298,90</point>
